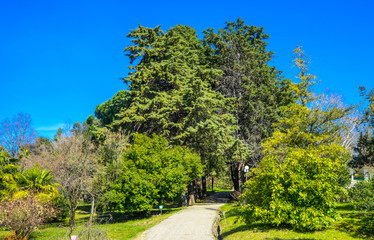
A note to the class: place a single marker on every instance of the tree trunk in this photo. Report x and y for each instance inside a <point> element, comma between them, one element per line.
<point>71,220</point>
<point>212,184</point>
<point>92,209</point>
<point>203,183</point>
<point>236,175</point>
<point>198,189</point>
<point>184,200</point>
<point>191,193</point>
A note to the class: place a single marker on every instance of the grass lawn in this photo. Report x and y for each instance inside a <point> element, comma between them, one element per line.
<point>121,230</point>
<point>349,227</point>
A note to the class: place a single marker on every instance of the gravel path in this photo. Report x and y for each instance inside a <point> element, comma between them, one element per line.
<point>195,222</point>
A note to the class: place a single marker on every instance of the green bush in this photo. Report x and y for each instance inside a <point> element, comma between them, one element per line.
<point>299,192</point>
<point>362,195</point>
<point>151,173</point>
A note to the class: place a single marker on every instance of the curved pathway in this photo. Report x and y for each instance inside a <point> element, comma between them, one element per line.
<point>195,222</point>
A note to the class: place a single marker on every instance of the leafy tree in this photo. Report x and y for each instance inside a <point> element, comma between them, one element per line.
<point>297,182</point>
<point>94,130</point>
<point>77,128</point>
<point>349,120</point>
<point>72,160</point>
<point>304,168</point>
<point>111,152</point>
<point>16,132</point>
<point>258,91</point>
<point>107,111</point>
<point>152,173</point>
<point>303,89</point>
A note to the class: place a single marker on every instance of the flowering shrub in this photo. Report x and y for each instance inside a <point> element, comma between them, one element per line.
<point>24,215</point>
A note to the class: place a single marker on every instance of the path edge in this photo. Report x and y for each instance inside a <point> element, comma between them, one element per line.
<point>216,229</point>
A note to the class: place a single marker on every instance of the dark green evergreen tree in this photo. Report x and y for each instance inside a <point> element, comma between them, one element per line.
<point>258,90</point>
<point>107,111</point>
<point>365,144</point>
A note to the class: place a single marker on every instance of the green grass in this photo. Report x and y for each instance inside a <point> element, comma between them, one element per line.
<point>121,230</point>
<point>349,227</point>
<point>215,189</point>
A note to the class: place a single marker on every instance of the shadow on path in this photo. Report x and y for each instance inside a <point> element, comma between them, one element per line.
<point>219,197</point>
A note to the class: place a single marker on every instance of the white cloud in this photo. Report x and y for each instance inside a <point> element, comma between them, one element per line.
<point>50,128</point>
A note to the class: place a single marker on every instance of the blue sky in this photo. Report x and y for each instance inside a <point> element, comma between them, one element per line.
<point>60,59</point>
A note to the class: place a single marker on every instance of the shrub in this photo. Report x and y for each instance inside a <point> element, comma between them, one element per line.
<point>299,192</point>
<point>151,173</point>
<point>362,195</point>
<point>24,215</point>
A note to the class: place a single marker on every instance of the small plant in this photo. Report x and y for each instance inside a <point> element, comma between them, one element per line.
<point>91,231</point>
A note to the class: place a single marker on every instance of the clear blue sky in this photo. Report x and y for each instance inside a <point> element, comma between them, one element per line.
<point>60,59</point>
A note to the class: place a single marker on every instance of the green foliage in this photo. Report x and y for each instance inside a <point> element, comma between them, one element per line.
<point>364,151</point>
<point>257,90</point>
<point>362,194</point>
<point>39,182</point>
<point>95,131</point>
<point>218,96</point>
<point>369,111</point>
<point>303,90</point>
<point>297,182</point>
<point>107,111</point>
<point>365,144</point>
<point>17,184</point>
<point>298,190</point>
<point>152,172</point>
<point>232,229</point>
<point>171,94</point>
<point>8,171</point>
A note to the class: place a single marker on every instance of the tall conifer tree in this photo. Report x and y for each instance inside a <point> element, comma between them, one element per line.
<point>258,91</point>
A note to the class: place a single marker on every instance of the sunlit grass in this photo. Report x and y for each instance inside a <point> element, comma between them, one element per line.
<point>347,228</point>
<point>129,229</point>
